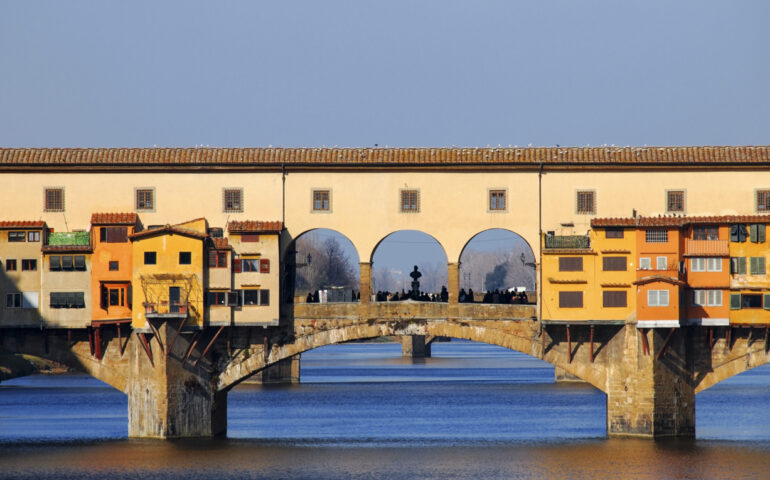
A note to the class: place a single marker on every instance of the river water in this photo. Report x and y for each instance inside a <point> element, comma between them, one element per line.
<point>473,411</point>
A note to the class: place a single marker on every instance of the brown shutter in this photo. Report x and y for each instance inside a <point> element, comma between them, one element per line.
<point>236,264</point>
<point>212,259</point>
<point>614,264</point>
<point>264,265</point>
<point>614,299</point>
<point>570,264</point>
<point>570,299</point>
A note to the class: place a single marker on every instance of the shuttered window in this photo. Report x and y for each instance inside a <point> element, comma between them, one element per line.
<point>657,298</point>
<point>68,300</point>
<point>570,299</point>
<point>614,299</point>
<point>644,263</point>
<point>570,264</point>
<point>217,259</point>
<point>757,265</point>
<point>613,233</point>
<point>738,265</point>
<point>264,265</point>
<point>614,264</point>
<point>113,234</point>
<point>738,232</point>
<point>757,233</point>
<point>735,301</point>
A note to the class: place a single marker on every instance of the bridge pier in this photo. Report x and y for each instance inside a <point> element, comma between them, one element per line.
<point>283,372</point>
<point>415,346</point>
<point>169,397</point>
<point>649,388</point>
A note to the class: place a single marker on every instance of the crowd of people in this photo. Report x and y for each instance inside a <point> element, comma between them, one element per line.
<point>464,296</point>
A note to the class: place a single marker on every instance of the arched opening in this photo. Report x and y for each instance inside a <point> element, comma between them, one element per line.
<point>322,266</point>
<point>409,264</point>
<point>497,266</point>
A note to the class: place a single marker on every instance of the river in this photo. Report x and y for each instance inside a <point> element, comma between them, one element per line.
<point>473,411</point>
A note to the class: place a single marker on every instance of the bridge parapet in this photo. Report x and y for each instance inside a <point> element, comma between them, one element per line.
<point>410,310</point>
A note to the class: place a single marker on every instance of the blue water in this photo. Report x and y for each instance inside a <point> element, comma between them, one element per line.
<point>361,411</point>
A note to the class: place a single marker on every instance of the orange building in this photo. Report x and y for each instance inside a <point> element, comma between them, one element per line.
<point>707,262</point>
<point>111,266</point>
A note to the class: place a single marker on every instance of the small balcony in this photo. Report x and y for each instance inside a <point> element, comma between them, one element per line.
<point>707,248</point>
<point>568,242</point>
<point>164,309</point>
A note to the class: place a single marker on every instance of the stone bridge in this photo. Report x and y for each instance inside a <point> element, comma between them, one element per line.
<point>177,378</point>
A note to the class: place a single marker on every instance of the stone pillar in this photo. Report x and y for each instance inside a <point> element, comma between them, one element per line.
<point>454,282</point>
<point>168,398</point>
<point>365,270</point>
<point>562,376</point>
<point>414,346</point>
<point>284,372</point>
<point>649,396</point>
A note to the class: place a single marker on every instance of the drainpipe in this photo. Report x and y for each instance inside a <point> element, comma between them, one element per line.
<point>540,250</point>
<point>283,194</point>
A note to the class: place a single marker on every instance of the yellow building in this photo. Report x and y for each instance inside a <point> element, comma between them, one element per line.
<point>168,273</point>
<point>749,280</point>
<point>66,280</point>
<point>589,277</point>
<point>20,272</point>
<point>256,271</point>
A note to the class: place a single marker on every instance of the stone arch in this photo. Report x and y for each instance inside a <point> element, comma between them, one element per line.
<point>235,372</point>
<point>750,359</point>
<point>528,259</point>
<point>442,267</point>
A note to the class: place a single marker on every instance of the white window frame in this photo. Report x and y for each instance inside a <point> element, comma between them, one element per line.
<point>655,298</point>
<point>644,263</point>
<point>707,298</point>
<point>658,261</point>
<point>698,264</point>
<point>713,264</point>
<point>715,298</point>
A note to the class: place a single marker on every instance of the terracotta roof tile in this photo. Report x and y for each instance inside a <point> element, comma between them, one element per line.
<point>221,244</point>
<point>677,221</point>
<point>254,226</point>
<point>113,219</point>
<point>264,157</point>
<point>659,278</point>
<point>166,229</point>
<point>9,224</point>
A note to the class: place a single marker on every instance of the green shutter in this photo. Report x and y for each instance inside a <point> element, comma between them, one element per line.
<point>761,233</point>
<point>735,301</point>
<point>766,301</point>
<point>760,265</point>
<point>742,266</point>
<point>753,232</point>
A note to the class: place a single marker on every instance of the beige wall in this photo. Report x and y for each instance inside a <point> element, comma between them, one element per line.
<point>265,248</point>
<point>66,281</point>
<point>18,281</point>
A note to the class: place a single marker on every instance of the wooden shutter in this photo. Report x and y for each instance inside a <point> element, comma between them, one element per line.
<point>104,297</point>
<point>236,264</point>
<point>264,297</point>
<point>570,299</point>
<point>213,259</point>
<point>753,232</point>
<point>614,264</point>
<point>761,233</point>
<point>766,301</point>
<point>264,265</point>
<point>735,301</point>
<point>570,264</point>
<point>614,299</point>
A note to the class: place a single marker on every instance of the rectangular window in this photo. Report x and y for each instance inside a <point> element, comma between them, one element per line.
<point>114,266</point>
<point>250,265</point>
<point>738,232</point>
<point>751,301</point>
<point>644,263</point>
<point>715,298</point>
<point>10,265</point>
<point>251,297</point>
<point>763,201</point>
<point>661,263</point>
<point>113,234</point>
<point>185,258</point>
<point>497,200</point>
<point>80,263</point>
<point>234,299</point>
<point>68,300</point>
<point>217,259</point>
<point>321,201</point>
<point>249,237</point>
<point>264,265</point>
<point>657,298</point>
<point>28,265</point>
<point>698,264</point>
<point>217,298</point>
<point>116,297</point>
<point>757,232</point>
<point>656,236</point>
<point>67,262</point>
<point>738,265</point>
<point>570,299</point>
<point>699,298</point>
<point>735,301</point>
<point>614,264</point>
<point>705,233</point>
<point>54,199</point>
<point>570,264</point>
<point>614,299</point>
<point>54,263</point>
<point>264,297</point>
<point>33,236</point>
<point>714,264</point>
<point>707,298</point>
<point>410,201</point>
<point>233,200</point>
<point>13,300</point>
<point>613,233</point>
<point>150,258</point>
<point>16,236</point>
<point>586,202</point>
<point>756,265</point>
<point>675,201</point>
<point>145,199</point>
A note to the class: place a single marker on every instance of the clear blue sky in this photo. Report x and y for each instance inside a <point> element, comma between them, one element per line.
<point>396,72</point>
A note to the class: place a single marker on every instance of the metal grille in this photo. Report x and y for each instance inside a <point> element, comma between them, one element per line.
<point>54,199</point>
<point>586,203</point>
<point>656,236</point>
<point>675,201</point>
<point>233,200</point>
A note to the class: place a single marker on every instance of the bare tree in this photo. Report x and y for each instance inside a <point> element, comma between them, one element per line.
<point>323,263</point>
